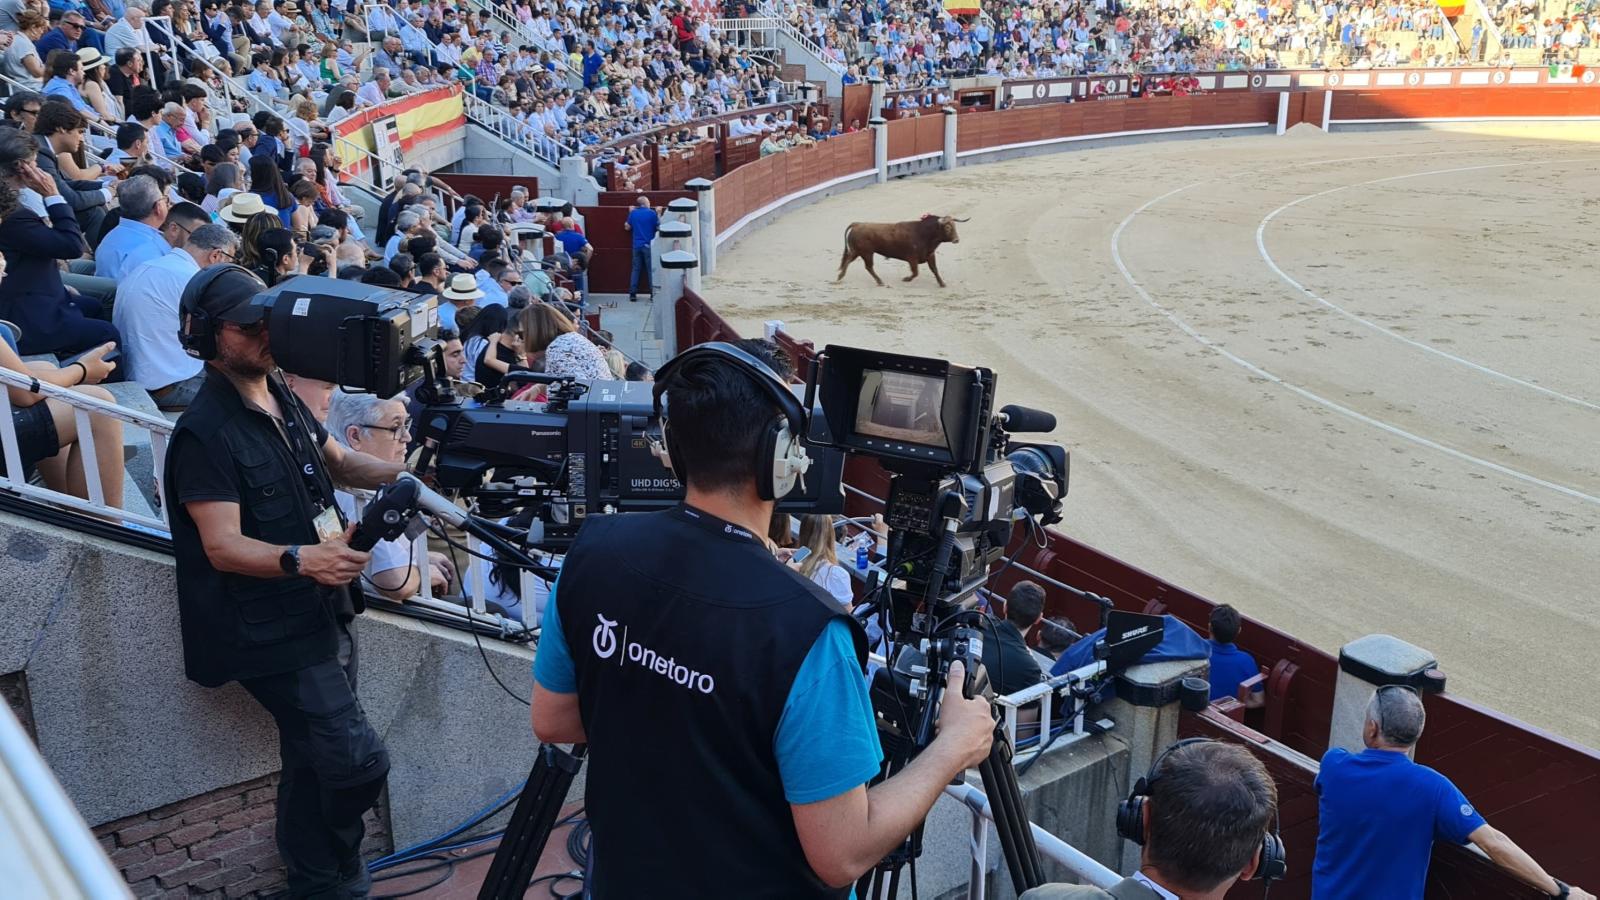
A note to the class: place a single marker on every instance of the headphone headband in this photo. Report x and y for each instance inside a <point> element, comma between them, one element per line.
<point>763,375</point>
<point>781,456</point>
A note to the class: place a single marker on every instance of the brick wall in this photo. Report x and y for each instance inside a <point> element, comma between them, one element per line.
<point>216,845</point>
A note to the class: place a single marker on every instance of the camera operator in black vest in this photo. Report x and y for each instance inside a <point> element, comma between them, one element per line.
<point>722,694</point>
<point>264,576</point>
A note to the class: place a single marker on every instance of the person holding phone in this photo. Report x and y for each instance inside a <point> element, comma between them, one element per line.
<point>818,559</point>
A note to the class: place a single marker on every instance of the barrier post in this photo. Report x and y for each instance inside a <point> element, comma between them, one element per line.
<point>949,161</point>
<point>880,147</point>
<point>679,270</point>
<point>706,192</point>
<point>1283,112</point>
<point>550,206</point>
<point>687,212</point>
<point>670,236</point>
<point>875,104</point>
<point>1366,665</point>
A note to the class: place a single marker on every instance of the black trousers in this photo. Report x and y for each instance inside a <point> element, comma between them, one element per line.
<point>334,767</point>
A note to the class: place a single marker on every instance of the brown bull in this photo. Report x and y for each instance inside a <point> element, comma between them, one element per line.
<point>914,242</point>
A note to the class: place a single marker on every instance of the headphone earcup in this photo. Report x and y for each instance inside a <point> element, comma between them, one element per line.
<point>1130,812</point>
<point>1274,862</point>
<point>674,458</point>
<point>770,452</point>
<point>196,336</point>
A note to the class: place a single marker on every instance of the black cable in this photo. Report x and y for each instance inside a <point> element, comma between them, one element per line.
<point>492,673</point>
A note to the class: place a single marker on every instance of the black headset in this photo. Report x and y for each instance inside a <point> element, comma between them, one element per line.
<point>1272,863</point>
<point>781,460</point>
<point>197,332</point>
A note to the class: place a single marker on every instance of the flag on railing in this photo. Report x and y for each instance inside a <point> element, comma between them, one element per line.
<point>961,7</point>
<point>1452,8</point>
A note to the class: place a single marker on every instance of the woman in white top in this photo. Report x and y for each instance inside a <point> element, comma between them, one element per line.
<point>21,61</point>
<point>822,564</point>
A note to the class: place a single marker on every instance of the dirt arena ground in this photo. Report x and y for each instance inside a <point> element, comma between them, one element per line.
<point>1349,383</point>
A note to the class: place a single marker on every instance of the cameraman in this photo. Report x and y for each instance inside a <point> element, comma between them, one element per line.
<point>721,693</point>
<point>1203,822</point>
<point>264,573</point>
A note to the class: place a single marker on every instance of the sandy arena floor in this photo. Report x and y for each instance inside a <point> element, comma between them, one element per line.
<point>1349,383</point>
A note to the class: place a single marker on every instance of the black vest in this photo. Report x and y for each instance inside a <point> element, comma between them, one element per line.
<point>235,626</point>
<point>686,635</point>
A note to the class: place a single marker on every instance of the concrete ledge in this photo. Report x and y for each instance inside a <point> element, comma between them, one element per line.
<point>94,624</point>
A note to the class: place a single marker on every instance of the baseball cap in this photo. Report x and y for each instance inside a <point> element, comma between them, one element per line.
<point>226,295</point>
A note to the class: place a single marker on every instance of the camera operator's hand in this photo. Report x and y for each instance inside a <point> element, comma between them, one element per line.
<point>966,725</point>
<point>333,562</point>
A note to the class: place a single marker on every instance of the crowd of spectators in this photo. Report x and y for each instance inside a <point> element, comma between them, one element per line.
<point>914,46</point>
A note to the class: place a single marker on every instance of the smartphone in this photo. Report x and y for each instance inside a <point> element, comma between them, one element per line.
<point>800,555</point>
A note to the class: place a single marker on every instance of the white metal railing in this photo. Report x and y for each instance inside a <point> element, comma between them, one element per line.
<point>83,406</point>
<point>800,37</point>
<point>1084,867</point>
<point>499,120</point>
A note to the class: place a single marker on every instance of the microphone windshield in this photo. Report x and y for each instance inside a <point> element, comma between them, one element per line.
<point>1021,418</point>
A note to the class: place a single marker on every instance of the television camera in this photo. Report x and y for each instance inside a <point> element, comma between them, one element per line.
<point>585,449</point>
<point>960,484</point>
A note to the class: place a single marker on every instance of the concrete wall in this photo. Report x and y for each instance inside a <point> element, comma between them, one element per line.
<point>484,153</point>
<point>93,625</point>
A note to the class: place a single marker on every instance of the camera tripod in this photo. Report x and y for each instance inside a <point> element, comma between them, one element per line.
<point>531,822</point>
<point>901,745</point>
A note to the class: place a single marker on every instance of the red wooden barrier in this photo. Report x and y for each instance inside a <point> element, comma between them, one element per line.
<point>488,187</point>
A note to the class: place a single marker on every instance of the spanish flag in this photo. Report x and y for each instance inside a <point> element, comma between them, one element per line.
<point>961,7</point>
<point>1452,8</point>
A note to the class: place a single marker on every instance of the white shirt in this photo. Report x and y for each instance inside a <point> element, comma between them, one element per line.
<point>1161,892</point>
<point>370,94</point>
<point>146,313</point>
<point>835,579</point>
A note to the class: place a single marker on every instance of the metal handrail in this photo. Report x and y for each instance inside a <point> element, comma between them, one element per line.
<point>82,406</point>
<point>1083,866</point>
<point>499,120</point>
<point>795,34</point>
<point>516,27</point>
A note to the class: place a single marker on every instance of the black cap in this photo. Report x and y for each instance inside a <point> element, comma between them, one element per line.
<point>223,292</point>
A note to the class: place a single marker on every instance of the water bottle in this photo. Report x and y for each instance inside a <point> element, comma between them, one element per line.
<point>862,543</point>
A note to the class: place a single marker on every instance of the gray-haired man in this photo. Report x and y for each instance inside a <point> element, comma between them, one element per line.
<point>1379,814</point>
<point>146,314</point>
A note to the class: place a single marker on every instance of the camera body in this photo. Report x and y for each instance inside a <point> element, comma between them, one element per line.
<point>584,451</point>
<point>354,335</point>
<point>959,482</point>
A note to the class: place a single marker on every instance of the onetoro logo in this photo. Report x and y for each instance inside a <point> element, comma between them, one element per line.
<point>606,644</point>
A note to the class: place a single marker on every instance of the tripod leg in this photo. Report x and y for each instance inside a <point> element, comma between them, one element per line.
<point>1011,818</point>
<point>531,823</point>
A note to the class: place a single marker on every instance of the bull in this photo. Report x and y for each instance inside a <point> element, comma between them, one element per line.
<point>913,242</point>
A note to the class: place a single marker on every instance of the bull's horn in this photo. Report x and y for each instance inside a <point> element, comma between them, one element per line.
<point>967,219</point>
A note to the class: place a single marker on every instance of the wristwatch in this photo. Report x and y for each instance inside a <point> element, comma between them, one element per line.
<point>1562,889</point>
<point>289,562</point>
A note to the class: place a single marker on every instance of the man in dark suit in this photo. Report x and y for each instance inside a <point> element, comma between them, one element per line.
<point>59,129</point>
<point>37,230</point>
<point>1203,815</point>
<point>1011,665</point>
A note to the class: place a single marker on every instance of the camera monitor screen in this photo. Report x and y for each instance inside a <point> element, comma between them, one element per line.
<point>902,406</point>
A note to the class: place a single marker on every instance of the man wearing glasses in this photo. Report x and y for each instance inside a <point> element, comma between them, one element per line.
<point>1379,814</point>
<point>146,314</point>
<point>22,110</point>
<point>72,33</point>
<point>264,573</point>
<point>370,424</point>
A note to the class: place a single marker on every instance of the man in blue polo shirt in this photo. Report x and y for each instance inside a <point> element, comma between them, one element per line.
<point>642,224</point>
<point>1230,666</point>
<point>1379,814</point>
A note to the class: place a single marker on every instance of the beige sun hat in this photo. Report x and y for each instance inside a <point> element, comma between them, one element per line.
<point>242,206</point>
